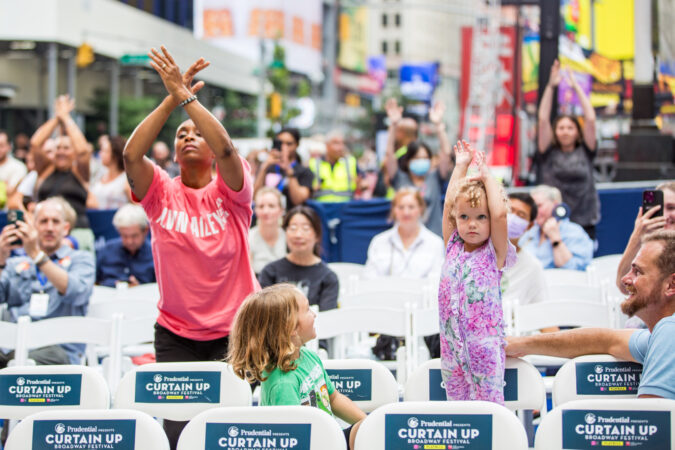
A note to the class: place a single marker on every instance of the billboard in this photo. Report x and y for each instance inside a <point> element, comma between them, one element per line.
<point>237,26</point>
<point>353,39</point>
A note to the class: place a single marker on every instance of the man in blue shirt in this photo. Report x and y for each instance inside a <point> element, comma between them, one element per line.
<point>128,258</point>
<point>52,280</point>
<point>651,285</point>
<point>556,244</point>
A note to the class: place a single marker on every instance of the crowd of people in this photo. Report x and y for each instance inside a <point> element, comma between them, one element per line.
<point>225,284</point>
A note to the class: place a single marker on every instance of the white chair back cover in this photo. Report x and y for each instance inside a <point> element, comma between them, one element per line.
<point>367,383</point>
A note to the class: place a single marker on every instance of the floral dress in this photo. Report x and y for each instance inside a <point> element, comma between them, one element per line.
<point>471,322</point>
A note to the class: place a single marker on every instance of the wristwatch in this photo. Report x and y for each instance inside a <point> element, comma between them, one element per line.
<point>555,244</point>
<point>40,258</point>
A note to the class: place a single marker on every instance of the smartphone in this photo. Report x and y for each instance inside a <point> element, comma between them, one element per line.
<point>13,215</point>
<point>276,145</point>
<point>650,199</point>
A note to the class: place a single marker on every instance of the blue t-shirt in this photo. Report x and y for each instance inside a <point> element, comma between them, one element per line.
<point>656,352</point>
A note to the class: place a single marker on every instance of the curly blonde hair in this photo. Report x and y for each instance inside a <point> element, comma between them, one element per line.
<point>474,191</point>
<point>260,340</point>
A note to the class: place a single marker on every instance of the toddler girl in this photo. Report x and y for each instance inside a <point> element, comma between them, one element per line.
<point>266,345</point>
<point>469,298</point>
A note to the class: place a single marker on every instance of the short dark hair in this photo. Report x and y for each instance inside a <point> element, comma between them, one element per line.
<point>666,260</point>
<point>293,132</point>
<point>313,218</point>
<point>528,200</point>
<point>411,152</point>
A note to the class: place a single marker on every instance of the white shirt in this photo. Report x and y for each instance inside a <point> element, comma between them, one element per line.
<point>262,254</point>
<point>12,171</point>
<point>388,257</point>
<point>525,281</point>
<point>113,194</point>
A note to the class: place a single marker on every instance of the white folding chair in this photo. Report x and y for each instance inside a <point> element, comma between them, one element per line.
<point>577,293</point>
<point>603,268</point>
<point>348,275</point>
<point>102,294</point>
<point>8,334</point>
<point>129,309</point>
<point>367,383</point>
<point>115,428</point>
<point>596,376</point>
<point>279,427</point>
<point>180,391</point>
<point>473,424</point>
<point>146,291</point>
<point>646,422</point>
<point>535,316</point>
<point>384,298</point>
<point>425,322</point>
<point>26,390</point>
<point>566,277</point>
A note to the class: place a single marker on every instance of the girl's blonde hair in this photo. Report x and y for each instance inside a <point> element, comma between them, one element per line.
<point>274,191</point>
<point>261,337</point>
<point>403,192</point>
<point>474,191</point>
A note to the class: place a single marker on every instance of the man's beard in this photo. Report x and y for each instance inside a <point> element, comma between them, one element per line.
<point>632,305</point>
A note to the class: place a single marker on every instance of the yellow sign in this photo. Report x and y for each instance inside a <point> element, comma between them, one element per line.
<point>353,39</point>
<point>85,56</point>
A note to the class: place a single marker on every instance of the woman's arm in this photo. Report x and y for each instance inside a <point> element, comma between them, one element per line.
<point>345,409</point>
<point>42,162</point>
<point>464,156</point>
<point>394,114</point>
<point>77,139</point>
<point>545,136</point>
<point>230,167</point>
<point>445,151</point>
<point>589,112</point>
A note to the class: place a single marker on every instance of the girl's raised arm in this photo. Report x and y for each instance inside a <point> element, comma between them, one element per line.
<point>463,156</point>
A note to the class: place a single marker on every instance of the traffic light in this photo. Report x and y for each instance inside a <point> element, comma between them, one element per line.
<point>85,55</point>
<point>275,105</point>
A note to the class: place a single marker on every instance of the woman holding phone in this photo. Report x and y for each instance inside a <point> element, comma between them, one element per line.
<point>283,169</point>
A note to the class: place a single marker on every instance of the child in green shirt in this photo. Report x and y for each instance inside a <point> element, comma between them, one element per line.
<point>266,345</point>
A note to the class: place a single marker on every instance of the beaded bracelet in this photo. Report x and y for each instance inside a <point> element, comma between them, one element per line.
<point>188,100</point>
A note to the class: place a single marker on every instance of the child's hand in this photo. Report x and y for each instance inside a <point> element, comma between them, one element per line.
<point>463,154</point>
<point>481,165</point>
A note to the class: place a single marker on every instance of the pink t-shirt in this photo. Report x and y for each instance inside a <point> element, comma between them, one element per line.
<point>200,249</point>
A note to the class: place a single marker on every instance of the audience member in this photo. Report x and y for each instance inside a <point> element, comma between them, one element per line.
<point>556,243</point>
<point>52,280</point>
<point>524,281</point>
<point>127,259</point>
<point>335,174</point>
<point>21,146</point>
<point>67,173</point>
<point>161,155</point>
<point>283,170</point>
<point>367,165</point>
<point>302,266</point>
<point>414,168</point>
<point>651,284</point>
<point>648,223</point>
<point>199,224</point>
<point>267,240</point>
<point>112,190</point>
<point>11,169</point>
<point>25,195</point>
<point>566,152</point>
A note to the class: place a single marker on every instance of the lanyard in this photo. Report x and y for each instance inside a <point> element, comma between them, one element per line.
<point>42,278</point>
<point>282,184</point>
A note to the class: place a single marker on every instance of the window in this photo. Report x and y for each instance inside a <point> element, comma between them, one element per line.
<point>384,20</point>
<point>384,47</point>
<point>397,20</point>
<point>397,47</point>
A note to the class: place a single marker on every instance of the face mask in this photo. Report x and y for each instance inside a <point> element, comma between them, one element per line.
<point>419,166</point>
<point>516,225</point>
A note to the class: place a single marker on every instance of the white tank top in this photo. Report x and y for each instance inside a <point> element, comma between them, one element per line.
<point>111,195</point>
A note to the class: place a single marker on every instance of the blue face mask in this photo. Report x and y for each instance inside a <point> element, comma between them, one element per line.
<point>419,166</point>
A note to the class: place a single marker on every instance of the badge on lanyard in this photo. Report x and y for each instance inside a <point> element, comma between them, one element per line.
<point>39,303</point>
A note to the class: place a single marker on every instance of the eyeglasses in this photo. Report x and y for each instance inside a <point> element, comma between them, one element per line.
<point>303,228</point>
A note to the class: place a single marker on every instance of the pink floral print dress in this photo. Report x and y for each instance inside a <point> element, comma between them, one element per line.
<point>471,322</point>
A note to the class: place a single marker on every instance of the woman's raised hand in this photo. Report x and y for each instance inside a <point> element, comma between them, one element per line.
<point>193,70</point>
<point>555,76</point>
<point>436,113</point>
<point>463,154</point>
<point>169,71</point>
<point>394,112</point>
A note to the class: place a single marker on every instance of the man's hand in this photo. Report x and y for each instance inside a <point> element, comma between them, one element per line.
<point>133,281</point>
<point>513,347</point>
<point>29,236</point>
<point>9,234</point>
<point>551,229</point>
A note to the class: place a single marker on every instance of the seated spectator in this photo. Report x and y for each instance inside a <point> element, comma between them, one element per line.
<point>161,155</point>
<point>525,280</point>
<point>408,249</point>
<point>556,243</point>
<point>414,168</point>
<point>283,170</point>
<point>11,169</point>
<point>335,174</point>
<point>647,223</point>
<point>128,258</point>
<point>25,195</point>
<point>21,146</point>
<point>651,284</point>
<point>302,266</point>
<point>112,190</point>
<point>53,280</point>
<point>267,241</point>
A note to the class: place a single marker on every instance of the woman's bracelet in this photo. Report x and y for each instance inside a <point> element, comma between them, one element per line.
<point>190,99</point>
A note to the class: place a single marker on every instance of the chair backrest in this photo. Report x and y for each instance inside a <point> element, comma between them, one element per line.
<point>460,424</point>
<point>534,316</point>
<point>565,277</point>
<point>573,292</point>
<point>26,390</point>
<point>646,423</point>
<point>115,428</point>
<point>147,291</point>
<point>596,376</point>
<point>384,298</point>
<point>180,391</point>
<point>335,322</point>
<point>103,294</point>
<point>130,309</point>
<point>8,333</point>
<point>367,383</point>
<point>63,330</point>
<point>604,268</point>
<point>298,427</point>
<point>524,388</point>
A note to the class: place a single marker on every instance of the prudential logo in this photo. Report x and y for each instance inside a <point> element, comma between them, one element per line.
<point>20,381</point>
<point>233,431</point>
<point>157,378</point>
<point>60,428</point>
<point>599,368</point>
<point>590,418</point>
<point>413,422</point>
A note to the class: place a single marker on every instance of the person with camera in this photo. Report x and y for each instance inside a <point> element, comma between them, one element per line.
<point>51,280</point>
<point>555,240</point>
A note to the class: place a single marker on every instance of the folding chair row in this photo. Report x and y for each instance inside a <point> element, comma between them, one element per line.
<point>145,292</point>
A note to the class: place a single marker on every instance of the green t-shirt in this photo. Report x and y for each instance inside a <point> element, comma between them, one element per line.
<point>308,384</point>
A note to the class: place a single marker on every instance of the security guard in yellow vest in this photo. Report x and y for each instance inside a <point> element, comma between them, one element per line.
<point>335,177</point>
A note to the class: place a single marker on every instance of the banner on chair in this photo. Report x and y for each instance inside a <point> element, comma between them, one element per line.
<point>177,387</point>
<point>420,431</point>
<point>89,434</point>
<point>354,383</point>
<point>258,436</point>
<point>437,386</point>
<point>589,429</point>
<point>40,390</point>
<point>608,378</point>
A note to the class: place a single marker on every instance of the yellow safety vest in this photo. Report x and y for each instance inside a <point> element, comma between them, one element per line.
<point>334,184</point>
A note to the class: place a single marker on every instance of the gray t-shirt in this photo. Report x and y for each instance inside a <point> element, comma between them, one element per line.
<point>432,192</point>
